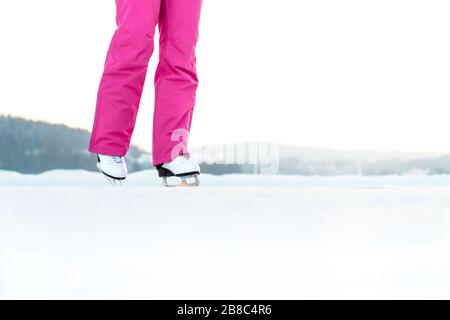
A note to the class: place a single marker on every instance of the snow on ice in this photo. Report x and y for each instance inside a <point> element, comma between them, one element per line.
<point>67,234</point>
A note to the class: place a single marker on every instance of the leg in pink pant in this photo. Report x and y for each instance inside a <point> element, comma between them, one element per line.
<point>125,70</point>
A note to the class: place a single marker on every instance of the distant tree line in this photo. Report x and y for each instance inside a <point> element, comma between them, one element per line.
<point>33,147</point>
<point>393,166</point>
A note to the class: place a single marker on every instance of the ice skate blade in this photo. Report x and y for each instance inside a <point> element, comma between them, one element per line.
<point>114,182</point>
<point>184,182</point>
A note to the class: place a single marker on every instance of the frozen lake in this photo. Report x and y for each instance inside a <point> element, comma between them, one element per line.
<point>67,234</point>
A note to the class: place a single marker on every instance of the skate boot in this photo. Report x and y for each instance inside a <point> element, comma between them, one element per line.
<point>113,168</point>
<point>182,168</point>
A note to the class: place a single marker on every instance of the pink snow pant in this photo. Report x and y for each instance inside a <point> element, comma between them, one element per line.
<point>125,70</point>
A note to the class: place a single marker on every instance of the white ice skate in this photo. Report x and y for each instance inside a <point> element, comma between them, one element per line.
<point>113,168</point>
<point>181,167</point>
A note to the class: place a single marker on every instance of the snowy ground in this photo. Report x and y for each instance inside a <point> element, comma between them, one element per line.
<point>66,234</point>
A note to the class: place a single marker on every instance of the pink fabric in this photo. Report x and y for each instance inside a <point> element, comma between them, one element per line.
<point>123,79</point>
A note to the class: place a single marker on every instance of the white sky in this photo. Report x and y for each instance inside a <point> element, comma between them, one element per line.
<point>341,74</point>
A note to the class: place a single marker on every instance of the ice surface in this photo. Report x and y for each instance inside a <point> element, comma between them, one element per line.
<point>67,234</point>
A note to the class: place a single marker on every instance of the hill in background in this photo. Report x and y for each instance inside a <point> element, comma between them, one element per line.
<point>34,147</point>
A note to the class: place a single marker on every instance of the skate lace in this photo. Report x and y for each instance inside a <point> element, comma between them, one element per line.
<point>183,158</point>
<point>116,159</point>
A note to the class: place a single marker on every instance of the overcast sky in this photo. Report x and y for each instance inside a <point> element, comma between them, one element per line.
<point>339,74</point>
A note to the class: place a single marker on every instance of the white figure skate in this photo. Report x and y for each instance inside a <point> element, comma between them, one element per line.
<point>113,168</point>
<point>181,167</point>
